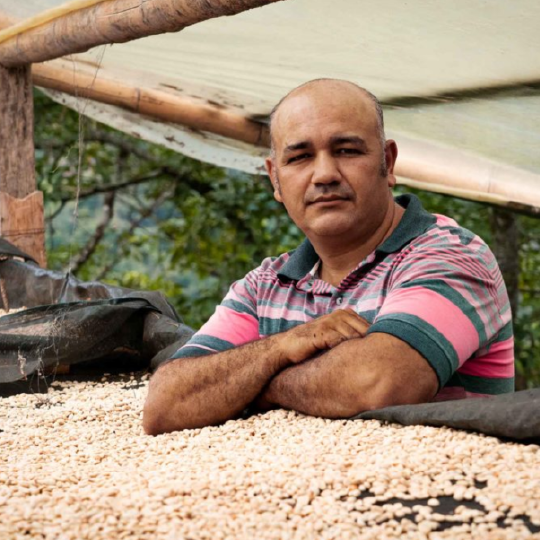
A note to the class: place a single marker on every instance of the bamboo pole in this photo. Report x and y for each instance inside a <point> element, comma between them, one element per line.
<point>462,174</point>
<point>471,195</point>
<point>112,21</point>
<point>165,106</point>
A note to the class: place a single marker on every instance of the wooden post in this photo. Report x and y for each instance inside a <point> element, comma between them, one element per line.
<point>21,206</point>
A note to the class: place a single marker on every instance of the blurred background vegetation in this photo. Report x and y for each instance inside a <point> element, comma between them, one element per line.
<point>148,218</point>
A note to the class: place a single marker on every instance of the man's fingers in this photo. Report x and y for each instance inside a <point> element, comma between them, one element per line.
<point>333,339</point>
<point>360,326</point>
<point>356,321</point>
<point>340,332</point>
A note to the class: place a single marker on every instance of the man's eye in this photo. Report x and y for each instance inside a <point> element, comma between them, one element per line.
<point>348,151</point>
<point>297,158</point>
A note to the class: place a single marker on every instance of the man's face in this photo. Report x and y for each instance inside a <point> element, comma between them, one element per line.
<point>327,168</point>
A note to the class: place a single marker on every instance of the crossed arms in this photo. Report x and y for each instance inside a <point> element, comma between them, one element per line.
<point>328,367</point>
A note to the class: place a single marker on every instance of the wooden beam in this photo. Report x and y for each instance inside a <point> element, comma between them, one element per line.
<point>113,21</point>
<point>21,206</point>
<point>165,106</point>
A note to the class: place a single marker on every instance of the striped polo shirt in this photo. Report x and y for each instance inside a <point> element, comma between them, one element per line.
<point>431,283</point>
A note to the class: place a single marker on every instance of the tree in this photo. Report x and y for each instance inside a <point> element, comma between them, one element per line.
<point>152,219</point>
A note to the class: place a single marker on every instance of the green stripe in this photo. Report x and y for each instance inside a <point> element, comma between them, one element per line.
<point>465,236</point>
<point>190,352</point>
<point>244,283</point>
<point>268,326</point>
<point>482,385</point>
<point>218,345</point>
<point>422,337</point>
<point>506,332</point>
<point>506,307</point>
<point>446,291</point>
<point>239,307</point>
<point>369,315</point>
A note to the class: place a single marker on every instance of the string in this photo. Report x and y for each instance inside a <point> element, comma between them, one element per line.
<point>82,104</point>
<point>59,322</point>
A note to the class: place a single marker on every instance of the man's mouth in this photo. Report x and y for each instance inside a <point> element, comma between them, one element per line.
<point>328,199</point>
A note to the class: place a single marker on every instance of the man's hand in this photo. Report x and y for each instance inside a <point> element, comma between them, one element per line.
<point>326,332</point>
<point>377,371</point>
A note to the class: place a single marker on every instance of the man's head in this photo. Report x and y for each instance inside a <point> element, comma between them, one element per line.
<point>330,164</point>
<point>366,93</point>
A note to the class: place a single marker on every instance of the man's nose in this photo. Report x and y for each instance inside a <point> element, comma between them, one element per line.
<point>326,170</point>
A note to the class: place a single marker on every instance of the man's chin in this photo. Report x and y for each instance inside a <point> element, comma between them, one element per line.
<point>330,228</point>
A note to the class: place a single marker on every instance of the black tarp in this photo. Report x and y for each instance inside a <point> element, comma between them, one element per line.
<point>514,416</point>
<point>69,321</point>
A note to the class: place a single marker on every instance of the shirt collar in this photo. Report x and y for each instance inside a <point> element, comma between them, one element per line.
<point>415,221</point>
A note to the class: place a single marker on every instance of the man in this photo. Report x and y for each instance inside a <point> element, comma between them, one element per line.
<point>383,304</point>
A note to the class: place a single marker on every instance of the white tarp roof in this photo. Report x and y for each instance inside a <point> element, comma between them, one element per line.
<point>463,74</point>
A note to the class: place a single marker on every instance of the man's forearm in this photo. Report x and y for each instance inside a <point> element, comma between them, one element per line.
<point>196,392</point>
<point>327,385</point>
<point>357,375</point>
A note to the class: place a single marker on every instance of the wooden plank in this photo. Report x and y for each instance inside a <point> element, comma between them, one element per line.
<point>116,21</point>
<point>22,224</point>
<point>17,164</point>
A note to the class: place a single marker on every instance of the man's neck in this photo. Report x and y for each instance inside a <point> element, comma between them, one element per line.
<point>338,260</point>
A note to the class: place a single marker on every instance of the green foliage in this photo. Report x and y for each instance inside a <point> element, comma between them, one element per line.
<point>212,227</point>
<point>190,229</point>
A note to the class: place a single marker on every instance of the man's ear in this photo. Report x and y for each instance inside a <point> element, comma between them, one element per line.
<point>272,173</point>
<point>390,155</point>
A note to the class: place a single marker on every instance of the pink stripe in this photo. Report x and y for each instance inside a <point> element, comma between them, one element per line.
<point>497,363</point>
<point>227,324</point>
<point>440,313</point>
<point>462,262</point>
<point>287,298</point>
<point>444,221</point>
<point>283,312</point>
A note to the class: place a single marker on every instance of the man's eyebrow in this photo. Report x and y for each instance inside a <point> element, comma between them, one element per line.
<point>351,139</point>
<point>302,145</point>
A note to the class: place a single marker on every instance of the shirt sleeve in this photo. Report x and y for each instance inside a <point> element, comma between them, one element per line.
<point>447,302</point>
<point>233,323</point>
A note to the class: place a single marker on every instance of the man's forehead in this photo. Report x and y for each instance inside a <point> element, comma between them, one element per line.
<point>342,108</point>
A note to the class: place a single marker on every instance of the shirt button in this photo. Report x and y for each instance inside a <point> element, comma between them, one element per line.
<point>339,300</point>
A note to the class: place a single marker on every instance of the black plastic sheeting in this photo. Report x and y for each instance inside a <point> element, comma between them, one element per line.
<point>68,321</point>
<point>514,416</point>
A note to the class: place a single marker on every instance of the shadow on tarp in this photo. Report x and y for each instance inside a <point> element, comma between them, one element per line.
<point>513,416</point>
<point>67,321</point>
